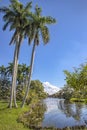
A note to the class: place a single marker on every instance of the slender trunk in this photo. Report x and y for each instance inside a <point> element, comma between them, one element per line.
<point>14,76</point>
<point>30,74</point>
<point>15,104</point>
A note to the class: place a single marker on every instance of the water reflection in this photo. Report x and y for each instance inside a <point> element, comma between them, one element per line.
<point>55,113</point>
<point>62,114</point>
<point>70,110</point>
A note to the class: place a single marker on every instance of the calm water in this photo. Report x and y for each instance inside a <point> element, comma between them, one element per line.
<point>60,114</point>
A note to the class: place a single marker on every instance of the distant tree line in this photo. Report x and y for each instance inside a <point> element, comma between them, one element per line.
<point>36,87</point>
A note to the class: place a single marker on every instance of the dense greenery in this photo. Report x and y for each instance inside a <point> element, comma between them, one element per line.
<point>5,80</point>
<point>36,87</point>
<point>75,88</point>
<point>77,81</point>
<point>66,92</point>
<point>34,116</point>
<point>36,92</point>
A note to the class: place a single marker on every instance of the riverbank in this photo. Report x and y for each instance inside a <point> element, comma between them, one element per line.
<point>9,119</point>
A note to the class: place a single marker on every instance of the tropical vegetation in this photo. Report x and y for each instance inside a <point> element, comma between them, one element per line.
<point>36,87</point>
<point>15,16</point>
<point>25,24</point>
<point>77,81</point>
<point>75,88</point>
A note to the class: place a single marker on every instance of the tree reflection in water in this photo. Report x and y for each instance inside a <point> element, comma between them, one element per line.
<point>54,113</point>
<point>70,110</point>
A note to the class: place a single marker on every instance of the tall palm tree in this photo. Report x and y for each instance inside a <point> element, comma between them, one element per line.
<point>16,16</point>
<point>33,31</point>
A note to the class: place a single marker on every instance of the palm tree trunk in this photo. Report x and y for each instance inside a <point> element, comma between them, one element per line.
<point>14,76</point>
<point>18,48</point>
<point>30,74</point>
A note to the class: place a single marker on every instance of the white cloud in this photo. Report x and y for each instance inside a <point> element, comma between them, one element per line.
<point>49,88</point>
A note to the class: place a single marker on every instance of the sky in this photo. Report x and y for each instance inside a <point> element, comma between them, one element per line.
<point>67,47</point>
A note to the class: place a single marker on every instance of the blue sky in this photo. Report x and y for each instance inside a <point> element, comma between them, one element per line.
<point>68,40</point>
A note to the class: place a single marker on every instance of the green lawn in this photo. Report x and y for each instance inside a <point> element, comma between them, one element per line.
<point>8,117</point>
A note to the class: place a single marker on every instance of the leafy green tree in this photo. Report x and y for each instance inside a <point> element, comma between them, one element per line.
<point>2,71</point>
<point>4,83</point>
<point>77,80</point>
<point>5,80</point>
<point>36,91</point>
<point>38,27</point>
<point>15,16</point>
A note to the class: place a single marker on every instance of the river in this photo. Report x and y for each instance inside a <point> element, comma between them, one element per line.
<point>61,114</point>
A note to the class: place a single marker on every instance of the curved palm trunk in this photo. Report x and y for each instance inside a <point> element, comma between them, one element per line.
<point>30,74</point>
<point>14,76</point>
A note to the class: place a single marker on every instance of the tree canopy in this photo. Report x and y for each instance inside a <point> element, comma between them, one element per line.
<point>77,80</point>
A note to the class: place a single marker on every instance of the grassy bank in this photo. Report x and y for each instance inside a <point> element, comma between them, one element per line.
<point>78,100</point>
<point>8,117</point>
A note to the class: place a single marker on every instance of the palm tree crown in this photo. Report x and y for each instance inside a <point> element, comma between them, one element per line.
<point>16,16</point>
<point>38,27</point>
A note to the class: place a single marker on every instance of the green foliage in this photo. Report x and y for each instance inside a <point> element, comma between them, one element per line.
<point>5,80</point>
<point>77,80</point>
<point>78,100</point>
<point>66,93</point>
<point>36,91</point>
<point>36,88</point>
<point>16,16</point>
<point>38,27</point>
<point>33,118</point>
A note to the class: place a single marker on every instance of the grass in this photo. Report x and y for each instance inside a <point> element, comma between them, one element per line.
<point>78,100</point>
<point>8,117</point>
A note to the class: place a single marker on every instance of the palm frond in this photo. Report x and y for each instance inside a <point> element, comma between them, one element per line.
<point>28,6</point>
<point>13,1</point>
<point>37,38</point>
<point>45,34</point>
<point>13,38</point>
<point>6,25</point>
<point>8,15</point>
<point>50,20</point>
<point>38,10</point>
<point>4,9</point>
<point>47,20</point>
<point>31,33</point>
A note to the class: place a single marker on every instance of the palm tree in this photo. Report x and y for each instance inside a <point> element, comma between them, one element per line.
<point>16,16</point>
<point>3,72</point>
<point>33,31</point>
